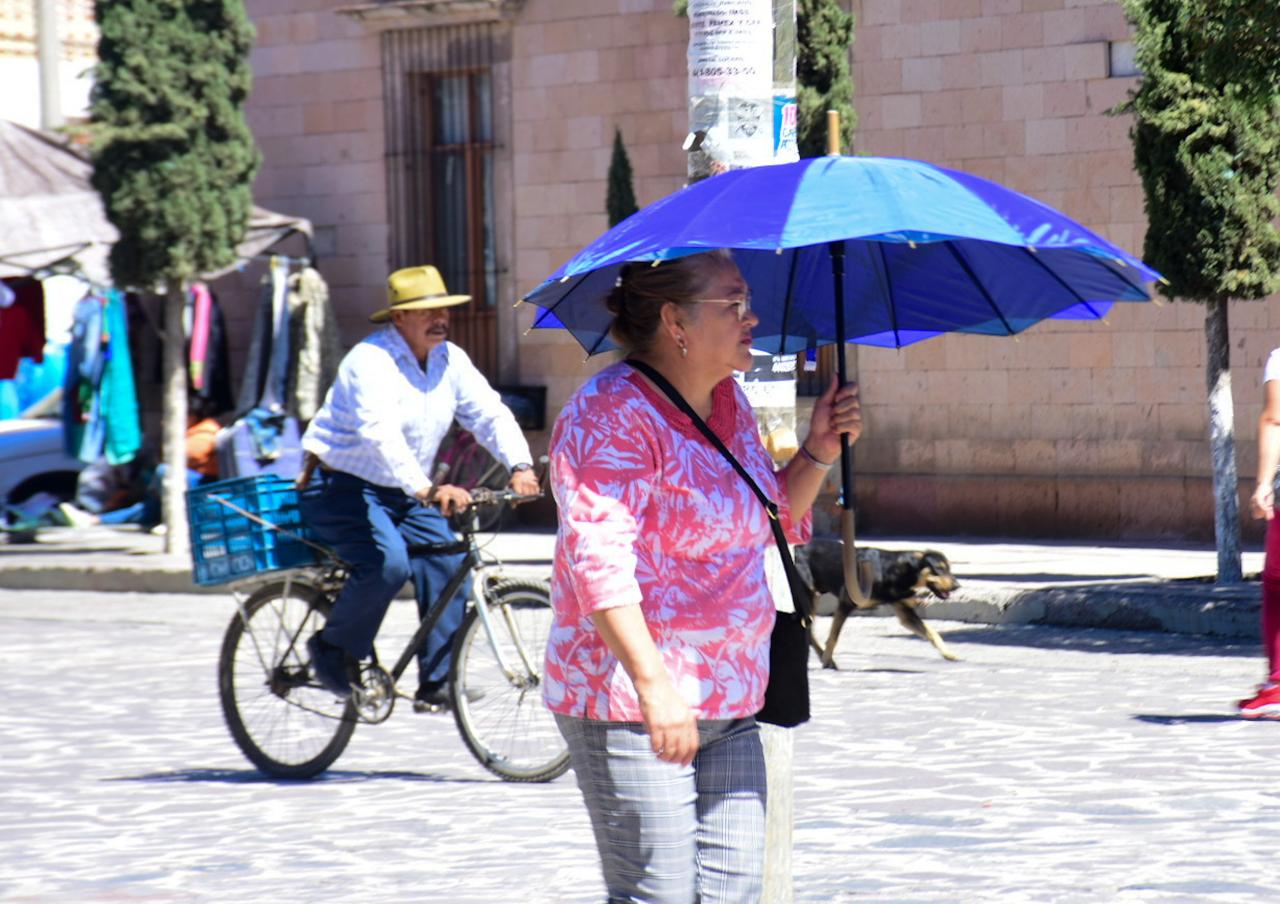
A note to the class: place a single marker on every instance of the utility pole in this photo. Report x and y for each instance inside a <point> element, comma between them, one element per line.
<point>49,59</point>
<point>742,113</point>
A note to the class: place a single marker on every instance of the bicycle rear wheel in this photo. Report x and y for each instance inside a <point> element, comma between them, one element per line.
<point>497,685</point>
<point>281,719</point>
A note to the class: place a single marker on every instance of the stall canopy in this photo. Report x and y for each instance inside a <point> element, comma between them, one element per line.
<point>50,214</point>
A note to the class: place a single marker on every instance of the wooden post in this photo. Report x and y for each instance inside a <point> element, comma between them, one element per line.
<point>779,761</point>
<point>780,817</point>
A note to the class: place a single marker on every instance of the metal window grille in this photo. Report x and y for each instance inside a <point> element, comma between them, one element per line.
<point>440,158</point>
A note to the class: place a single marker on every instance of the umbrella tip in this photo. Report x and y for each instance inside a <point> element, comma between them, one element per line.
<point>519,301</point>
<point>528,331</point>
<point>911,244</point>
<point>564,279</point>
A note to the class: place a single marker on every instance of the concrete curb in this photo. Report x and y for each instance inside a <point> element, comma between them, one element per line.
<point>154,577</point>
<point>1177,607</point>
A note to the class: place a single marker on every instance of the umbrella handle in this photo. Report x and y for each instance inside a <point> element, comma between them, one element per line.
<point>858,578</point>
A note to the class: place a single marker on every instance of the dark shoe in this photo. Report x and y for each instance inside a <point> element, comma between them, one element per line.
<point>437,697</point>
<point>333,666</point>
<point>433,698</point>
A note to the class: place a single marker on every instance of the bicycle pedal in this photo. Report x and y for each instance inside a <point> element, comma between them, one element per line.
<point>422,706</point>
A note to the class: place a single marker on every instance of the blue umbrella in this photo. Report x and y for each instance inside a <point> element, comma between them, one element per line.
<point>874,250</point>
<point>928,251</point>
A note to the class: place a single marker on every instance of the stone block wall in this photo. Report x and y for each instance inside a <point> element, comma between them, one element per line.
<point>580,70</point>
<point>1071,429</point>
<point>317,113</point>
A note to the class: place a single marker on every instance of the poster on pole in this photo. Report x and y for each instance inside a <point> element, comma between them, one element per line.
<point>731,82</point>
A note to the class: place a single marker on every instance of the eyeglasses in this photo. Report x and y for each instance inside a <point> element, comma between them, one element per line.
<point>743,304</point>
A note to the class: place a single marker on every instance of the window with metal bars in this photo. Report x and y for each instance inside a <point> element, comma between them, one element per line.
<point>440,150</point>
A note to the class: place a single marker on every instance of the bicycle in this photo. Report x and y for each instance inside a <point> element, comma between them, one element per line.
<point>290,727</point>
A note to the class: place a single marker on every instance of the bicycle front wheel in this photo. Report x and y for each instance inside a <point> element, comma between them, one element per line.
<point>281,719</point>
<point>497,684</point>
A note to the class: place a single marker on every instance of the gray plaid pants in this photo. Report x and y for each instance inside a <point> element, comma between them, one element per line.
<point>669,834</point>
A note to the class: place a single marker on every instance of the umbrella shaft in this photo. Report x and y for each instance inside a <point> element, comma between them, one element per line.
<point>836,250</point>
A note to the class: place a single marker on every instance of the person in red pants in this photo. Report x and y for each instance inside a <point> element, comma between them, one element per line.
<point>1266,703</point>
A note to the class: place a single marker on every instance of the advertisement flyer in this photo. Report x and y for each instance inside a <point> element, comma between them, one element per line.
<point>731,82</point>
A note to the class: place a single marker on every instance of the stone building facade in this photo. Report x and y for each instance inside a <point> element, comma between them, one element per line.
<point>1082,430</point>
<point>20,72</point>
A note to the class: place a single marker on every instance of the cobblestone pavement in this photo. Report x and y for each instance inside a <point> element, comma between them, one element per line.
<point>1051,765</point>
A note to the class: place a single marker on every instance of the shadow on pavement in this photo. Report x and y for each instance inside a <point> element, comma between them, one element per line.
<point>1047,577</point>
<point>253,776</point>
<point>1101,640</point>
<point>879,671</point>
<point>1189,719</point>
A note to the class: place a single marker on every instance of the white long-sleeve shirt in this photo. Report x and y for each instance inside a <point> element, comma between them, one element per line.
<point>385,415</point>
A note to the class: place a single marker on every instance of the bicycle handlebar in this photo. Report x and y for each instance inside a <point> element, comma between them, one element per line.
<point>486,496</point>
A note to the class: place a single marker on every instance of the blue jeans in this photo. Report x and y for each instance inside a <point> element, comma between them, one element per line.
<point>146,511</point>
<point>370,526</point>
<point>668,833</point>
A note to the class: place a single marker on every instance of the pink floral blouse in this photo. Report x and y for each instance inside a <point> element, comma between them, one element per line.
<point>651,513</point>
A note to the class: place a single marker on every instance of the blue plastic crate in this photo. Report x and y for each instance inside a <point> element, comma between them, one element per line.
<point>226,545</point>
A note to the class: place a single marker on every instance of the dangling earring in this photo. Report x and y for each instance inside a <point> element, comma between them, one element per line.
<point>684,349</point>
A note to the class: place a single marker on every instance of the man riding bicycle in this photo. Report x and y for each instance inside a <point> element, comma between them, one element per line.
<point>373,441</point>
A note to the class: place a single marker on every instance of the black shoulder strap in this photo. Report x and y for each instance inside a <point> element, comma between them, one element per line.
<point>799,590</point>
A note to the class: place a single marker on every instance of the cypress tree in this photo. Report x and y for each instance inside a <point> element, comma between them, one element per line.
<point>824,36</point>
<point>1208,152</point>
<point>173,158</point>
<point>1238,41</point>
<point>174,162</point>
<point>620,196</point>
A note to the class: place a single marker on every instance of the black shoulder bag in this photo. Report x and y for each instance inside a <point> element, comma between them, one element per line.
<point>786,698</point>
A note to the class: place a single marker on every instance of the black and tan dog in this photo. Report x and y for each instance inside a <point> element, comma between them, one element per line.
<point>901,576</point>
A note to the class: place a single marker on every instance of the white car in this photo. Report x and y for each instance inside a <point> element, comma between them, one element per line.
<point>33,461</point>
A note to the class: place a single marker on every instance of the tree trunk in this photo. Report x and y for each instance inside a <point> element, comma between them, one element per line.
<point>174,430</point>
<point>1226,484</point>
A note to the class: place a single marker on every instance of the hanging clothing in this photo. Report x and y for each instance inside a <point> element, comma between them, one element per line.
<point>208,364</point>
<point>261,344</point>
<point>316,347</point>
<point>200,307</point>
<point>295,349</point>
<point>273,393</point>
<point>21,325</point>
<point>99,403</point>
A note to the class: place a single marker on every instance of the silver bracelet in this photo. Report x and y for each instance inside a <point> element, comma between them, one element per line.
<point>812,459</point>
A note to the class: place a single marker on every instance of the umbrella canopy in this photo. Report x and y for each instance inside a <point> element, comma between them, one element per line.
<point>928,251</point>
<point>49,211</point>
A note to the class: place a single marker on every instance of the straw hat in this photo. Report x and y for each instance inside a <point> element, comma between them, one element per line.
<point>416,288</point>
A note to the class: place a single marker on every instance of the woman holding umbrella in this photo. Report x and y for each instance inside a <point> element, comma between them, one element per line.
<point>658,657</point>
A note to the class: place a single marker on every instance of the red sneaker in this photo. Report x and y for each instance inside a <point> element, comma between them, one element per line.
<point>1266,705</point>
